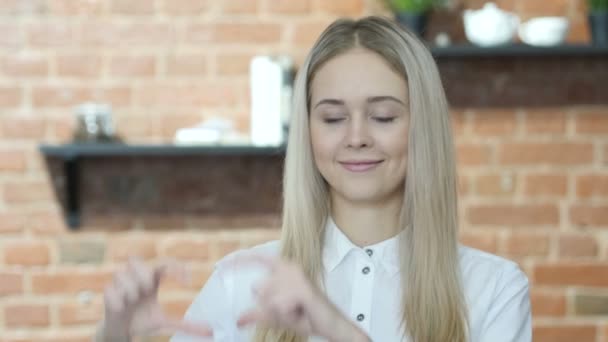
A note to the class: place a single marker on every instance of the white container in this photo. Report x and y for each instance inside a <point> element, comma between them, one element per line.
<point>266,118</point>
<point>490,26</point>
<point>544,31</point>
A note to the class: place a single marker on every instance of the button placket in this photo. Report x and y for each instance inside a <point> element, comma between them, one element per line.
<point>363,290</point>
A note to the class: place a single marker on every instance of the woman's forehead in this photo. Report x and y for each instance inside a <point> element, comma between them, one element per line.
<point>357,73</point>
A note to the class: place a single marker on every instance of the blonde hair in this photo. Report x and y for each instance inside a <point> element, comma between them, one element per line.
<point>433,307</point>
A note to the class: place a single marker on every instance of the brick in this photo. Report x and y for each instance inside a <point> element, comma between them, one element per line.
<point>225,247</point>
<point>572,274</point>
<point>11,283</point>
<point>577,245</point>
<point>72,312</point>
<point>342,7</point>
<point>459,121</point>
<point>495,184</point>
<point>132,7</point>
<point>231,64</point>
<point>69,282</point>
<point>592,122</point>
<point>185,7</point>
<point>120,248</point>
<point>484,241</point>
<point>79,66</point>
<point>545,153</point>
<point>198,33</point>
<point>513,215</point>
<point>12,161</point>
<point>545,8</point>
<point>133,66</point>
<point>545,121</point>
<point>186,249</point>
<point>592,185</point>
<point>464,185</point>
<point>27,253</point>
<point>547,303</point>
<point>589,215</point>
<point>579,31</point>
<point>306,33</point>
<point>69,96</point>
<point>46,223</point>
<point>10,96</point>
<point>473,154</point>
<point>187,65</point>
<point>26,315</point>
<point>525,244</point>
<point>12,35</point>
<point>81,251</point>
<point>56,34</point>
<point>247,33</point>
<point>169,126</point>
<point>16,127</point>
<point>494,123</point>
<point>128,34</point>
<point>175,307</point>
<point>289,6</point>
<point>11,223</point>
<point>239,6</point>
<point>25,65</point>
<point>590,304</point>
<point>194,95</point>
<point>565,333</point>
<point>27,191</point>
<point>21,7</point>
<point>75,8</point>
<point>545,184</point>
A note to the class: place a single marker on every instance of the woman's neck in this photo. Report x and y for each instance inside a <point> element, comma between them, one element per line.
<point>367,223</point>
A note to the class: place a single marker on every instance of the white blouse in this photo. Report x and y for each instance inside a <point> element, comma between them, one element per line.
<point>364,284</point>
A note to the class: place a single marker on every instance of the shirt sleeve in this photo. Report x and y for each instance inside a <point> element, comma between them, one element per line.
<point>509,317</point>
<point>212,306</point>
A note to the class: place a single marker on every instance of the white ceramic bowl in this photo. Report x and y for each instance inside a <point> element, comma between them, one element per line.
<point>544,31</point>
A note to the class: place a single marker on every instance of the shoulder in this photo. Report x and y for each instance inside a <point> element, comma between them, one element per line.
<point>270,248</point>
<point>487,277</point>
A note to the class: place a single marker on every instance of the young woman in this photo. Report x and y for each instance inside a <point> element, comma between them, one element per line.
<point>369,248</point>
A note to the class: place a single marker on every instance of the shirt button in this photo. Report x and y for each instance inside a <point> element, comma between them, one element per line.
<point>369,252</point>
<point>360,317</point>
<point>365,270</point>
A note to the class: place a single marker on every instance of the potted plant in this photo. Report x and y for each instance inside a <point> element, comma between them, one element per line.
<point>598,21</point>
<point>413,14</point>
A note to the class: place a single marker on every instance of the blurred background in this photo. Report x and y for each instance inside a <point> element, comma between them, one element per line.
<point>155,128</point>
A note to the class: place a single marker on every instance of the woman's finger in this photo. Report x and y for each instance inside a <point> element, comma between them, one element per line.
<point>190,328</point>
<point>250,317</point>
<point>112,300</point>
<point>143,275</point>
<point>127,288</point>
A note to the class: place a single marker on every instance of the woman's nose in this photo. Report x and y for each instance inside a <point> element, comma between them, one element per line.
<point>357,135</point>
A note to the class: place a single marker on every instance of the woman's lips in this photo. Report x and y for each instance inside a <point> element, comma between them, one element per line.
<point>360,166</point>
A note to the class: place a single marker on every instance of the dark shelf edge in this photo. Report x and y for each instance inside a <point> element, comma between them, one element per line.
<point>519,50</point>
<point>68,151</point>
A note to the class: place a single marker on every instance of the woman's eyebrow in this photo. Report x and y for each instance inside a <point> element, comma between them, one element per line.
<point>329,101</point>
<point>384,98</point>
<point>372,99</point>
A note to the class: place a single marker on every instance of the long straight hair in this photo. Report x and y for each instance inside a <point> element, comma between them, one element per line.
<point>433,308</point>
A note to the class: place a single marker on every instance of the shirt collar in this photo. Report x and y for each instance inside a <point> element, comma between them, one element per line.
<point>337,245</point>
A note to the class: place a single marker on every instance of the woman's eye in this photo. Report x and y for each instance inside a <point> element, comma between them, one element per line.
<point>385,119</point>
<point>332,120</point>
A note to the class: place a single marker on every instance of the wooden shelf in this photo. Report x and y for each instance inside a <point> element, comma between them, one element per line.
<point>518,50</point>
<point>72,154</point>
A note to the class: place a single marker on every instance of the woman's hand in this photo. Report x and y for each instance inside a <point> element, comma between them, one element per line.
<point>132,308</point>
<point>287,299</point>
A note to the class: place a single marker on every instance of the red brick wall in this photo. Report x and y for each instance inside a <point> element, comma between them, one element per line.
<point>534,181</point>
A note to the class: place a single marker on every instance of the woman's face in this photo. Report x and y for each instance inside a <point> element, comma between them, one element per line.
<point>359,126</point>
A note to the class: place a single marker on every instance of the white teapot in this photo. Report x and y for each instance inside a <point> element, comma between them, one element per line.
<point>490,25</point>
